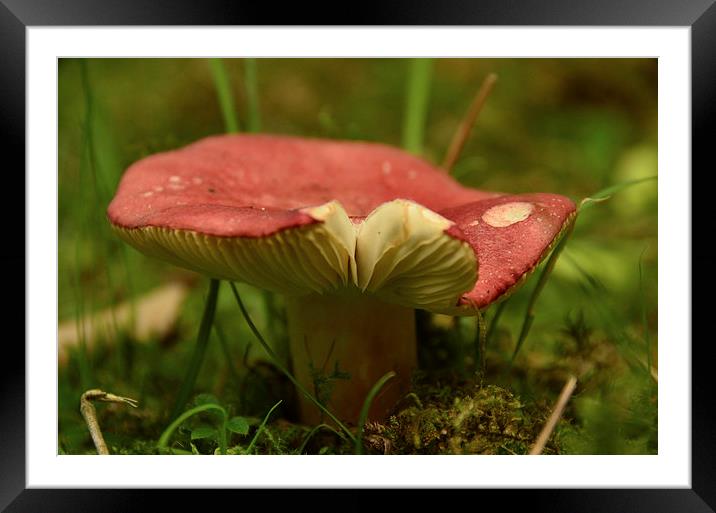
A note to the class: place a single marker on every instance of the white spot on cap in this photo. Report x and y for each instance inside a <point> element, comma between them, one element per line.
<point>387,167</point>
<point>174,179</point>
<point>159,189</point>
<point>147,194</point>
<point>508,214</point>
<point>474,223</point>
<point>412,174</point>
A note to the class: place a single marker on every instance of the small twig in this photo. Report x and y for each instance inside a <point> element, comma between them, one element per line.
<point>463,131</point>
<point>90,414</point>
<point>546,432</point>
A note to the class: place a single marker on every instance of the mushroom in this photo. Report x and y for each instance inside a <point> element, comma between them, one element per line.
<point>355,235</point>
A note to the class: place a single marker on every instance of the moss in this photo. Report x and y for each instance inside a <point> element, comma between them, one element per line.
<point>459,418</point>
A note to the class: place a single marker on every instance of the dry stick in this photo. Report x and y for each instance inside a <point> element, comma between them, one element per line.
<point>90,414</point>
<point>463,131</point>
<point>546,432</point>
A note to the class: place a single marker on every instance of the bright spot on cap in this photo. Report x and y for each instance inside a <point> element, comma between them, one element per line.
<point>506,214</point>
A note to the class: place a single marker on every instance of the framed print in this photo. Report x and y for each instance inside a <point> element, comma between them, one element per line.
<point>405,255</point>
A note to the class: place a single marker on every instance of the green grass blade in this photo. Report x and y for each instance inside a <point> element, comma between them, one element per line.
<point>252,95</point>
<point>99,181</point>
<point>261,428</point>
<point>83,299</point>
<point>202,342</point>
<point>105,169</point>
<point>223,90</point>
<point>98,190</point>
<point>524,331</point>
<point>169,431</point>
<point>608,192</point>
<point>277,362</point>
<point>492,326</point>
<point>541,282</point>
<point>233,373</point>
<point>315,430</point>
<point>480,343</point>
<point>366,408</point>
<point>416,104</point>
<point>95,168</point>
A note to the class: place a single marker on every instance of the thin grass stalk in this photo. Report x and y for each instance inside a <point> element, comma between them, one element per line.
<point>494,322</point>
<point>315,430</point>
<point>277,362</point>
<point>608,192</point>
<point>202,342</point>
<point>261,428</point>
<point>252,95</point>
<point>541,282</point>
<point>227,354</point>
<point>223,90</point>
<point>169,431</point>
<point>359,449</point>
<point>416,104</point>
<point>101,194</point>
<point>251,87</point>
<point>480,343</point>
<point>84,298</point>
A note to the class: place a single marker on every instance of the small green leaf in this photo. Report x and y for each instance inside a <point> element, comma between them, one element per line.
<point>203,432</point>
<point>238,425</point>
<point>607,193</point>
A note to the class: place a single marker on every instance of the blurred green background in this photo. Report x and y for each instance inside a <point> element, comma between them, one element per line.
<point>570,126</point>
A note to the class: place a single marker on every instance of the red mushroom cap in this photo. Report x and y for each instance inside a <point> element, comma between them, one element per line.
<point>321,215</point>
<point>253,185</point>
<point>510,235</point>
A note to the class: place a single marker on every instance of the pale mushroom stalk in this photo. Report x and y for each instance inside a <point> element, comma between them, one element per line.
<point>338,347</point>
<point>356,236</point>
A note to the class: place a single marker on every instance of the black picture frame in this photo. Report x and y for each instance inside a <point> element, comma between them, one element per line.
<point>17,15</point>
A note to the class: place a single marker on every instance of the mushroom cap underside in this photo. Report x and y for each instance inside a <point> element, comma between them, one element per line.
<point>301,216</point>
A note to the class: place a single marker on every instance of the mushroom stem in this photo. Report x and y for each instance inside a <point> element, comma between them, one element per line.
<point>342,344</point>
